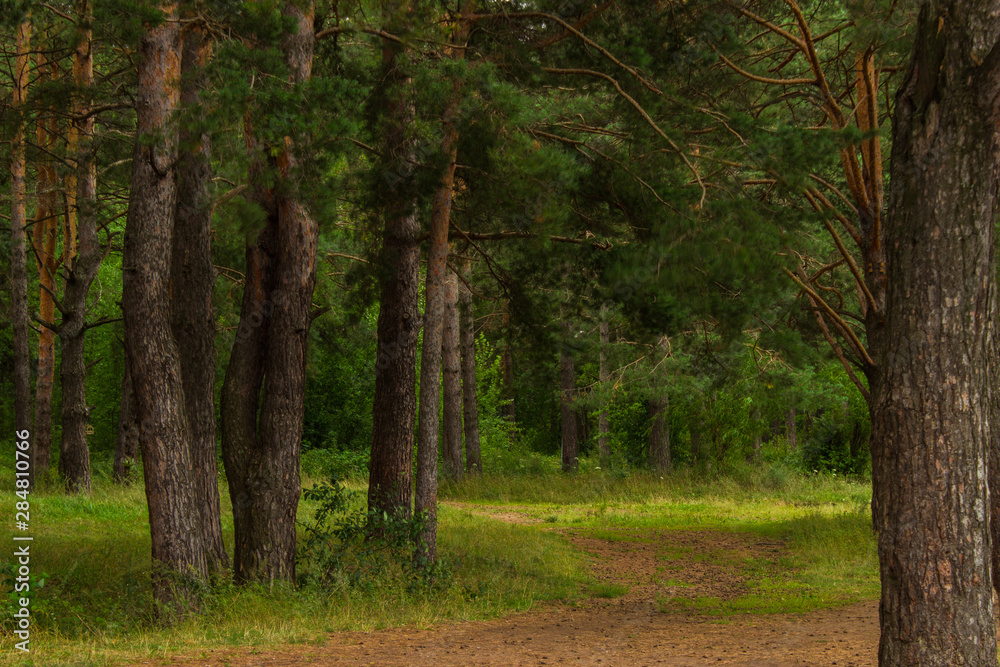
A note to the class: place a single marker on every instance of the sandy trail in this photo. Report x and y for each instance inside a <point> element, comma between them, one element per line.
<point>628,630</point>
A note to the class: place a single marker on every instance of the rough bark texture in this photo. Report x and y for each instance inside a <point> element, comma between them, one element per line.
<point>127,445</point>
<point>470,400</point>
<point>18,259</point>
<point>933,400</point>
<point>451,384</point>
<point>193,281</point>
<point>425,501</point>
<point>390,482</point>
<point>44,241</point>
<point>659,433</point>
<point>80,271</point>
<point>267,366</point>
<point>567,384</point>
<point>603,440</point>
<point>179,566</point>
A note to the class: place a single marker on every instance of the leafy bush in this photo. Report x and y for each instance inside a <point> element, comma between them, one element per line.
<point>837,443</point>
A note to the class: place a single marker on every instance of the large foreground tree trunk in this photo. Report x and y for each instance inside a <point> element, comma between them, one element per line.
<point>18,259</point>
<point>267,366</point>
<point>933,401</point>
<point>390,482</point>
<point>127,444</point>
<point>179,566</point>
<point>192,316</point>
<point>452,383</point>
<point>470,401</point>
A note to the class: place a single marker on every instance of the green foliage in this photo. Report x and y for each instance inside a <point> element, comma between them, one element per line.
<point>345,545</point>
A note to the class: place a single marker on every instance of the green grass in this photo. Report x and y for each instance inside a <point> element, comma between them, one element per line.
<point>95,606</point>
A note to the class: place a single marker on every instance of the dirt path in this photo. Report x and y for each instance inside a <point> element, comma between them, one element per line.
<point>627,630</point>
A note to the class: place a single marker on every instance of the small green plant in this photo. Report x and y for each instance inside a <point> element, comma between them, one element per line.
<point>345,546</point>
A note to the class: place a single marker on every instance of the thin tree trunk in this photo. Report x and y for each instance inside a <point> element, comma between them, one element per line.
<point>791,430</point>
<point>470,402</point>
<point>758,436</point>
<point>44,241</point>
<point>659,433</point>
<point>269,356</point>
<point>603,429</point>
<point>178,547</point>
<point>933,388</point>
<point>127,447</point>
<point>567,383</point>
<point>390,481</point>
<point>18,219</point>
<point>452,382</point>
<point>193,282</point>
<point>425,501</point>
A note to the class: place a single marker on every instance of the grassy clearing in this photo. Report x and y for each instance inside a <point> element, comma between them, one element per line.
<point>95,608</point>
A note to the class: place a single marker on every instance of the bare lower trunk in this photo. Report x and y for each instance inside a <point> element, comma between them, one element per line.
<point>390,481</point>
<point>567,384</point>
<point>470,402</point>
<point>127,446</point>
<point>269,356</point>
<point>659,433</point>
<point>193,282</point>
<point>933,401</point>
<point>603,439</point>
<point>18,260</point>
<point>178,550</point>
<point>791,429</point>
<point>452,383</point>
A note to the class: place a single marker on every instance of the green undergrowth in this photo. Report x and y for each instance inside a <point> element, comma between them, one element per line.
<point>92,599</point>
<point>91,574</point>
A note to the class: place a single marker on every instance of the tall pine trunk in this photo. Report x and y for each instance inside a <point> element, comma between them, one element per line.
<point>193,282</point>
<point>425,501</point>
<point>178,547</point>
<point>267,365</point>
<point>470,401</point>
<point>567,385</point>
<point>933,387</point>
<point>452,382</point>
<point>74,461</point>
<point>45,235</point>
<point>603,439</point>
<point>18,219</point>
<point>390,482</point>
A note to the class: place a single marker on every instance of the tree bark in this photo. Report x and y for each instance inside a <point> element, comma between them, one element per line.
<point>470,401</point>
<point>178,547</point>
<point>80,270</point>
<point>567,383</point>
<point>659,433</point>
<point>193,281</point>
<point>390,481</point>
<point>933,389</point>
<point>604,375</point>
<point>425,501</point>
<point>267,366</point>
<point>127,446</point>
<point>18,219</point>
<point>44,241</point>
<point>791,429</point>
<point>452,382</point>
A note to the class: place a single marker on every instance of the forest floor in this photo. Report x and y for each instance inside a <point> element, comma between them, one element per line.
<point>658,597</point>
